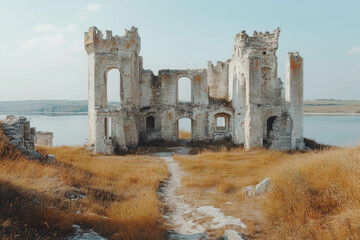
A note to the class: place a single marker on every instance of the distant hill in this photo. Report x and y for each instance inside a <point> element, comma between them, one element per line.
<point>332,106</point>
<point>43,106</point>
<point>46,106</point>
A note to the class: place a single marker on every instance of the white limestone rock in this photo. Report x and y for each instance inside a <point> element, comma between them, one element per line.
<point>250,190</point>
<point>260,188</point>
<point>232,235</point>
<point>263,186</point>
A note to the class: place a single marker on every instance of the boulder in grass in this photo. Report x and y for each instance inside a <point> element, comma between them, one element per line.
<point>260,188</point>
<point>263,186</point>
<point>232,235</point>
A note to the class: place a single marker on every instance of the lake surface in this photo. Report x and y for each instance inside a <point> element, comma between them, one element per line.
<point>333,130</point>
<point>67,129</point>
<point>73,129</point>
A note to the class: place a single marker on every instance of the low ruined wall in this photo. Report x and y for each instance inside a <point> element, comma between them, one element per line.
<point>44,138</point>
<point>19,132</point>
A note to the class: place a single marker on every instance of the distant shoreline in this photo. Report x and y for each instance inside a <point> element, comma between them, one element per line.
<point>44,113</point>
<point>86,113</point>
<point>330,114</point>
<point>319,107</point>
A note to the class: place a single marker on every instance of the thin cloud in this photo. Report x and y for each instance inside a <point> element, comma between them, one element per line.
<point>354,51</point>
<point>90,8</point>
<point>48,42</point>
<point>50,28</point>
<point>45,28</point>
<point>56,43</point>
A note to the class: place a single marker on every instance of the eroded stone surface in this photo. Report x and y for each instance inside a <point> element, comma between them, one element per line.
<point>244,91</point>
<point>19,132</point>
<point>232,235</point>
<point>44,138</point>
<point>263,186</point>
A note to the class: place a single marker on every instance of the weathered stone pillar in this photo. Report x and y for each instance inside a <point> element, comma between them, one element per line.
<point>253,116</point>
<point>92,70</point>
<point>294,95</point>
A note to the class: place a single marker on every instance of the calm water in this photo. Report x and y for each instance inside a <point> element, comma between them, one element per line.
<point>67,129</point>
<point>334,130</point>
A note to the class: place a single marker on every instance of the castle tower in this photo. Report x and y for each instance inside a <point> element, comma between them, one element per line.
<point>294,95</point>
<point>256,89</point>
<point>112,127</point>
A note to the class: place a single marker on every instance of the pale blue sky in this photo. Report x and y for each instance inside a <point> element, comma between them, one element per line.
<point>42,54</point>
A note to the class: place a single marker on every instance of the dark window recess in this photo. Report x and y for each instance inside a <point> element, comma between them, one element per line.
<point>150,123</point>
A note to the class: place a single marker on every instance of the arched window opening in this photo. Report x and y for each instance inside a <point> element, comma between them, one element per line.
<point>150,123</point>
<point>184,128</point>
<point>113,88</point>
<point>184,90</point>
<point>270,123</point>
<point>222,121</point>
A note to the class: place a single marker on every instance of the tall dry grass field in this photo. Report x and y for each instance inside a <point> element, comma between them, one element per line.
<point>115,195</point>
<point>184,134</point>
<point>313,195</point>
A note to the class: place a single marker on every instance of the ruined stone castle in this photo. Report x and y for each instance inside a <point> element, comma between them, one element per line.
<point>241,99</point>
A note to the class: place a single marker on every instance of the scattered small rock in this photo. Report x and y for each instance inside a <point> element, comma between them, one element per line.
<point>51,157</point>
<point>74,194</point>
<point>81,235</point>
<point>179,236</point>
<point>250,190</point>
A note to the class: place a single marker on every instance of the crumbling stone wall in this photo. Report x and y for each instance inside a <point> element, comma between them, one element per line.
<point>243,91</point>
<point>44,138</point>
<point>19,132</point>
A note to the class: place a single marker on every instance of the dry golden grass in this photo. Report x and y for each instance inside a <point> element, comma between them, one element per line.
<point>312,196</point>
<point>184,134</point>
<point>316,196</point>
<point>120,194</point>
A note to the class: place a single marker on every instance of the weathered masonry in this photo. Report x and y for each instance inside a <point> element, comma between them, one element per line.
<point>241,99</point>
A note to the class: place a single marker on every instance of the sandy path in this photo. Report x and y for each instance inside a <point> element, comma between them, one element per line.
<point>187,221</point>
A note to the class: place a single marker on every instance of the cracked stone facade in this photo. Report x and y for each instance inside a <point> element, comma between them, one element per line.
<point>243,91</point>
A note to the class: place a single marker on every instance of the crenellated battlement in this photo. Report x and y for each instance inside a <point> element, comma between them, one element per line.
<point>258,42</point>
<point>130,41</point>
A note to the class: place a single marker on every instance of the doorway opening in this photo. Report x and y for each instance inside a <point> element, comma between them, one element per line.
<point>184,128</point>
